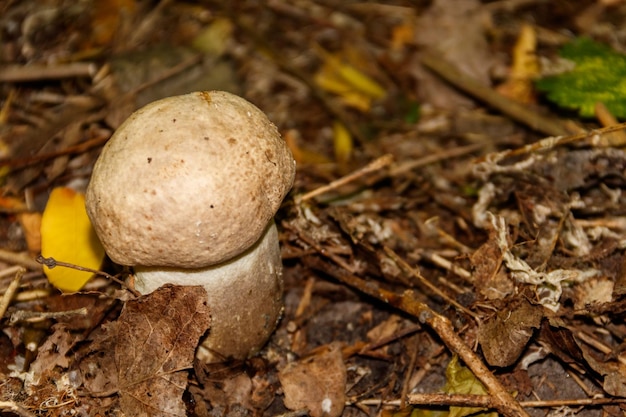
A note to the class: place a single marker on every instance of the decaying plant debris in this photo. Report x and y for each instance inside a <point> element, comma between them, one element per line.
<point>481,234</point>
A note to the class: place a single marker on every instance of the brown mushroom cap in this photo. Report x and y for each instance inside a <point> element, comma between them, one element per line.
<point>188,181</point>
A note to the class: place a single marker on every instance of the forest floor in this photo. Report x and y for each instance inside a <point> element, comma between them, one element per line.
<point>452,244</point>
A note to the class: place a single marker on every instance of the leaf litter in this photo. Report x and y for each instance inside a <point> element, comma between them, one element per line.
<point>432,233</point>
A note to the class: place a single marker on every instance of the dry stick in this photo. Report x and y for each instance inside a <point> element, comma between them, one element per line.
<point>389,339</point>
<point>170,72</point>
<point>408,376</point>
<point>447,265</point>
<point>402,167</point>
<point>604,116</point>
<point>75,149</point>
<point>468,400</point>
<point>15,283</point>
<point>415,273</point>
<point>593,137</point>
<point>547,125</point>
<point>407,302</point>
<point>17,258</point>
<point>549,143</point>
<point>15,408</point>
<point>20,73</point>
<point>53,263</point>
<point>336,259</point>
<point>296,413</point>
<point>147,26</point>
<point>452,400</point>
<point>37,316</point>
<point>375,165</point>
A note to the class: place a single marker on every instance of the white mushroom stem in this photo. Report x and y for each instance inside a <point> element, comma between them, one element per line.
<point>244,295</point>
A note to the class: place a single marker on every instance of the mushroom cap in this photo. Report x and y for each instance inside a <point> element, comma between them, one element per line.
<point>243,293</point>
<point>188,181</point>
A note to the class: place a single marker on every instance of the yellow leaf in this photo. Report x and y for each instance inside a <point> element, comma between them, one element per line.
<point>301,155</point>
<point>344,79</point>
<point>525,62</point>
<point>67,236</point>
<point>343,142</point>
<point>524,69</point>
<point>360,81</point>
<point>330,82</point>
<point>460,380</point>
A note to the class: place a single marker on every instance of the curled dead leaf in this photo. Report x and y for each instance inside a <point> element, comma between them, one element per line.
<point>156,343</point>
<point>317,383</point>
<point>504,337</point>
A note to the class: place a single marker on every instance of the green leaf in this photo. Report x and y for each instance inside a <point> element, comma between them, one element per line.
<point>599,75</point>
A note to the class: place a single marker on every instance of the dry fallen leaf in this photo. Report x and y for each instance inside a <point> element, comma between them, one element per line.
<point>96,362</point>
<point>341,75</point>
<point>317,383</point>
<point>504,337</point>
<point>156,343</point>
<point>53,352</point>
<point>489,277</point>
<point>343,142</point>
<point>31,225</point>
<point>524,69</point>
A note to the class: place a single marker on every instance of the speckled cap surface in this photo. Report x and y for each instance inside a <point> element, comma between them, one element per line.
<point>188,181</point>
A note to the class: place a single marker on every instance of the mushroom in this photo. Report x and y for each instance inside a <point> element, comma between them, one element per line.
<point>185,192</point>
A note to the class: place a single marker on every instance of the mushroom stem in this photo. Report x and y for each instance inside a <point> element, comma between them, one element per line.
<point>241,323</point>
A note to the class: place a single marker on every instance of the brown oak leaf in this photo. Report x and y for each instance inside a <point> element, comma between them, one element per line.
<point>157,338</point>
<point>317,383</point>
<point>504,337</point>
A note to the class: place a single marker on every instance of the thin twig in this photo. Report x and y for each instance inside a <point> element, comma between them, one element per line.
<point>442,262</point>
<point>375,165</point>
<point>75,149</point>
<point>402,167</point>
<point>468,400</point>
<point>36,316</point>
<point>21,73</point>
<point>391,338</point>
<point>53,263</point>
<point>15,408</point>
<point>16,258</point>
<point>13,286</point>
<point>336,259</point>
<point>296,413</point>
<point>408,376</point>
<point>591,137</point>
<point>547,125</point>
<point>426,283</point>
